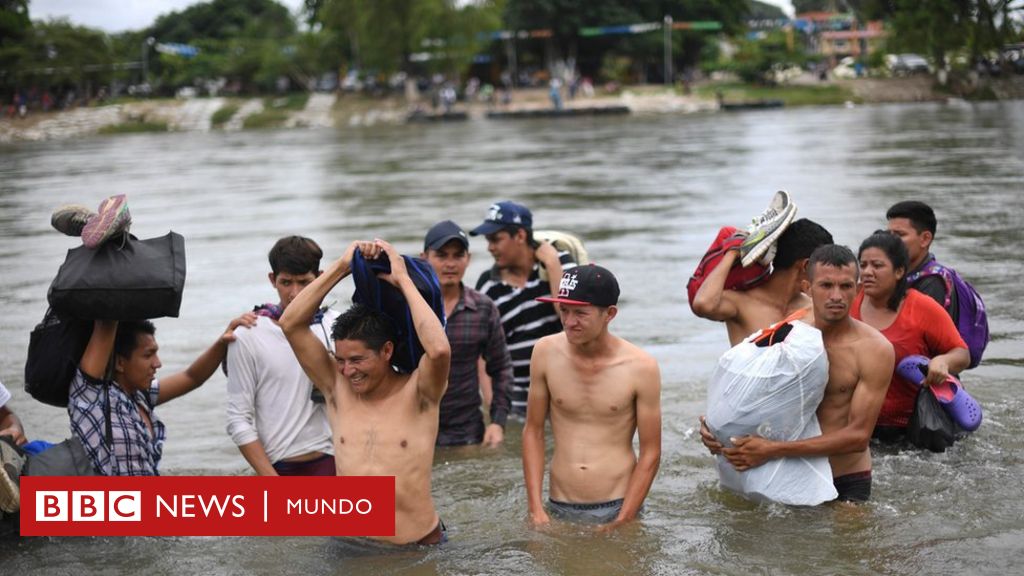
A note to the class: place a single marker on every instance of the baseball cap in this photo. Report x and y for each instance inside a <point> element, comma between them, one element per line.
<point>502,215</point>
<point>442,233</point>
<point>590,284</point>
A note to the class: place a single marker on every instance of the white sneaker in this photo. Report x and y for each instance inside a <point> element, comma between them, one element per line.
<point>765,230</point>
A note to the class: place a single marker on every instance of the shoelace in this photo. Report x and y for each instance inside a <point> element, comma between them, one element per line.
<point>769,214</point>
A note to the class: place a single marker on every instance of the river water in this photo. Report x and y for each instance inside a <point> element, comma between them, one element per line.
<point>646,193</point>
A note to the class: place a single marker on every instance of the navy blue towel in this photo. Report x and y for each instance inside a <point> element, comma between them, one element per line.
<point>385,298</point>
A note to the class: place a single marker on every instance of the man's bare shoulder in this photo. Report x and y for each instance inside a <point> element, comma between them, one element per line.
<point>642,365</point>
<point>550,342</point>
<point>870,340</point>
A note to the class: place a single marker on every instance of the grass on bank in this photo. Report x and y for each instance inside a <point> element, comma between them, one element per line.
<point>790,95</point>
<point>134,127</point>
<point>295,101</point>
<point>268,118</point>
<point>224,114</point>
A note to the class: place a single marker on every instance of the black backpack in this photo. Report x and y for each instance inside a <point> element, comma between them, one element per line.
<point>54,350</point>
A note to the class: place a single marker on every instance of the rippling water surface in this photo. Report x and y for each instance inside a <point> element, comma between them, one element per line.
<point>646,193</point>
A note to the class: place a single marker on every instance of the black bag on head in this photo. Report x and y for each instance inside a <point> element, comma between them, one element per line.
<point>130,280</point>
<point>55,349</point>
<point>930,426</point>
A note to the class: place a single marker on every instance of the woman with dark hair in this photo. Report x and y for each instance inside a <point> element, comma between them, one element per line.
<point>911,321</point>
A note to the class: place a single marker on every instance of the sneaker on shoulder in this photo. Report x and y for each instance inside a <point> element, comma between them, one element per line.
<point>12,460</point>
<point>764,231</point>
<point>70,219</point>
<point>113,219</point>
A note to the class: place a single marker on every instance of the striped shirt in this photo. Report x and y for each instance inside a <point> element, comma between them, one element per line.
<point>136,452</point>
<point>524,319</point>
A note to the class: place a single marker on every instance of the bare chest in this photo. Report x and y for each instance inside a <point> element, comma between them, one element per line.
<point>385,437</point>
<point>592,390</point>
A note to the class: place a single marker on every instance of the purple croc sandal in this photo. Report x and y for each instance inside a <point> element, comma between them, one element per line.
<point>961,406</point>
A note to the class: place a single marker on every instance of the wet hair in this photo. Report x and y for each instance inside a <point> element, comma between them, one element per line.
<point>295,255</point>
<point>360,322</point>
<point>921,215</point>
<point>127,338</point>
<point>896,252</point>
<point>798,241</point>
<point>832,255</point>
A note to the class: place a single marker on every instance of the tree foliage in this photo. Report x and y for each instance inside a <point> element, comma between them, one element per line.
<point>942,27</point>
<point>59,54</point>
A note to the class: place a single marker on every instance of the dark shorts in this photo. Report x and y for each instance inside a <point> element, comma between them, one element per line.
<point>854,487</point>
<point>437,536</point>
<point>589,513</point>
<point>322,466</point>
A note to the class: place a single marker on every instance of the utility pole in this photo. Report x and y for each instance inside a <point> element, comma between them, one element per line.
<point>146,45</point>
<point>668,50</point>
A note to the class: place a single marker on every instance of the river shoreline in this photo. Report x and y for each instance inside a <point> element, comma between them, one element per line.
<point>347,110</point>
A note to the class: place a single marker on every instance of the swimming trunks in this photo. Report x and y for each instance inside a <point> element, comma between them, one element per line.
<point>320,466</point>
<point>590,513</point>
<point>437,536</point>
<point>854,487</point>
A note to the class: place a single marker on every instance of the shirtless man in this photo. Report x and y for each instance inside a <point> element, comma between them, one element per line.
<point>748,311</point>
<point>860,364</point>
<point>384,422</point>
<point>600,390</point>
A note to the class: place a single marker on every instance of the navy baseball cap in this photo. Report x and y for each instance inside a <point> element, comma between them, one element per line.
<point>586,285</point>
<point>503,215</point>
<point>442,233</point>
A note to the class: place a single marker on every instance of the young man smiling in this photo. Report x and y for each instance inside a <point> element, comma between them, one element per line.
<point>384,422</point>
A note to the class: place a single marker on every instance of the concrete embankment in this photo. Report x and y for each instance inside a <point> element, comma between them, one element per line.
<point>328,110</point>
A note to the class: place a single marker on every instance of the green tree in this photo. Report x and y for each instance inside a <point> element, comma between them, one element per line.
<point>14,28</point>
<point>58,54</point>
<point>565,18</point>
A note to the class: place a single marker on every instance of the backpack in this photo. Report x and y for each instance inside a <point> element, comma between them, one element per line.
<point>385,298</point>
<point>972,320</point>
<point>55,348</point>
<point>739,278</point>
<point>563,242</point>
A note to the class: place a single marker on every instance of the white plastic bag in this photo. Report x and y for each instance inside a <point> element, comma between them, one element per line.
<point>773,392</point>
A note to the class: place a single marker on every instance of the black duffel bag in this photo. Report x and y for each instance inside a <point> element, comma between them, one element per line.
<point>55,349</point>
<point>130,280</point>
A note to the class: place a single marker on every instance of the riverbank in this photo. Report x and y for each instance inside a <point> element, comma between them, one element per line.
<point>348,110</point>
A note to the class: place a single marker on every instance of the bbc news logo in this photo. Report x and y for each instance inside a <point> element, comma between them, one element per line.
<point>88,506</point>
<point>208,506</point>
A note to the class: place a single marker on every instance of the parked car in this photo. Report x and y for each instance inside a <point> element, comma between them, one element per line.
<point>906,64</point>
